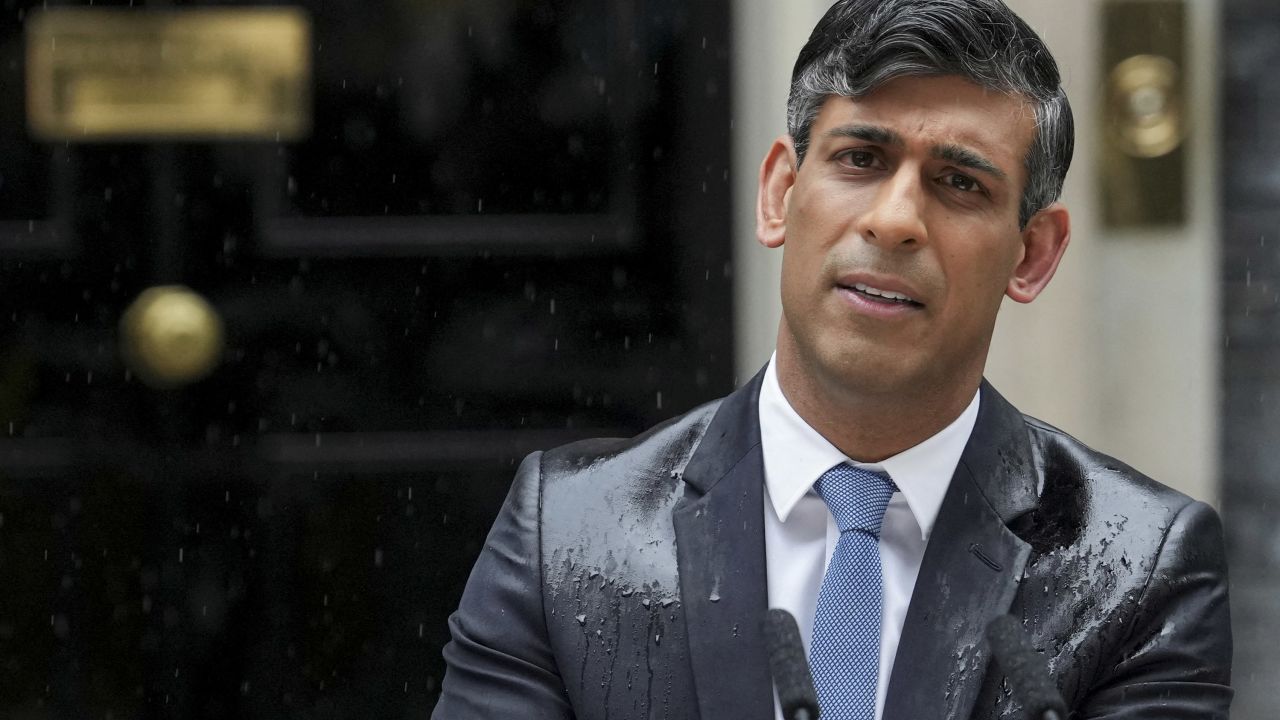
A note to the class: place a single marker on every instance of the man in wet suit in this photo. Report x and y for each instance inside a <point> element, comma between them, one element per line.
<point>868,479</point>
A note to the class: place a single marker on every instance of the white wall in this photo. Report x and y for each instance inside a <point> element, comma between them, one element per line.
<point>767,36</point>
<point>1122,350</point>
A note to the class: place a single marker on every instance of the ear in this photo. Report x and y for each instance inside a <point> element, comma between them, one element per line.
<point>1044,240</point>
<point>777,176</point>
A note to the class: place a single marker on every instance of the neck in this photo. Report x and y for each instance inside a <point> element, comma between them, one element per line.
<point>894,420</point>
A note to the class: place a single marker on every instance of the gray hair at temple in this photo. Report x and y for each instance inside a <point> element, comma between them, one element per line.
<point>861,44</point>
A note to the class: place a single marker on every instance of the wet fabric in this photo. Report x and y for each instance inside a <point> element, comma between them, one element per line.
<point>626,578</point>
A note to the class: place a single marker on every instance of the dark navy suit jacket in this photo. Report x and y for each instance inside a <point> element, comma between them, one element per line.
<point>626,579</point>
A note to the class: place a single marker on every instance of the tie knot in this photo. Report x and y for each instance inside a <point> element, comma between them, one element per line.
<point>857,498</point>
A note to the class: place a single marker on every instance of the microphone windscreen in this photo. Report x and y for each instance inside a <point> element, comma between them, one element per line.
<point>1023,668</point>
<point>790,666</point>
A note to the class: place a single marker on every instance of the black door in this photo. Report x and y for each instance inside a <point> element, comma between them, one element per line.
<point>507,228</point>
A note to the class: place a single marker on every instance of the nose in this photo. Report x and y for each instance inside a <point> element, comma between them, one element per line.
<point>896,214</point>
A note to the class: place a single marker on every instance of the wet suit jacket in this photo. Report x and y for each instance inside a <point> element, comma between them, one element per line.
<point>626,579</point>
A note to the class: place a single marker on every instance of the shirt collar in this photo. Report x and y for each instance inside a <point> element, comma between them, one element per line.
<point>796,455</point>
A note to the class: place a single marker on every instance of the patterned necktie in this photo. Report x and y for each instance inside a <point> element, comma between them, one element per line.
<point>845,652</point>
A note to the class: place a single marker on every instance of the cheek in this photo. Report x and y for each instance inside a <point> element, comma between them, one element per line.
<point>821,209</point>
<point>809,232</point>
<point>978,281</point>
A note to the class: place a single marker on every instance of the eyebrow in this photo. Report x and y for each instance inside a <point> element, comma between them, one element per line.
<point>879,135</point>
<point>870,133</point>
<point>967,158</point>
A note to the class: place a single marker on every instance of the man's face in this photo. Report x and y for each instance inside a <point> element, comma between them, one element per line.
<point>901,235</point>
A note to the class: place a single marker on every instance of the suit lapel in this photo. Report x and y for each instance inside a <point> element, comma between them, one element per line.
<point>719,528</point>
<point>970,571</point>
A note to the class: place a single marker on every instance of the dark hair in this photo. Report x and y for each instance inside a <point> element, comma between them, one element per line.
<point>861,44</point>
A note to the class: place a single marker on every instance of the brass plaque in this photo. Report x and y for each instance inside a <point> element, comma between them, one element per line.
<point>198,74</point>
<point>1144,120</point>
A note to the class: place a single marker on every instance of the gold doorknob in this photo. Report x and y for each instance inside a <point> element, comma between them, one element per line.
<point>171,337</point>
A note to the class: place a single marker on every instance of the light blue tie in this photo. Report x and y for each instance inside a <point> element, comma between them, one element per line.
<point>845,652</point>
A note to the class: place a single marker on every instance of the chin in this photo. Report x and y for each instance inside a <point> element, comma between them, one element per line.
<point>861,370</point>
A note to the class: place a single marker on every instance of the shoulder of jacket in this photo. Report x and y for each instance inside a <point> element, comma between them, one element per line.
<point>1068,465</point>
<point>668,445</point>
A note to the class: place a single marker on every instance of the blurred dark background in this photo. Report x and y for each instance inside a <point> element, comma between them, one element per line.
<point>1250,274</point>
<point>508,228</point>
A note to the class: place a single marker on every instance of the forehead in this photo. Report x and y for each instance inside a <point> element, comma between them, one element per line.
<point>931,111</point>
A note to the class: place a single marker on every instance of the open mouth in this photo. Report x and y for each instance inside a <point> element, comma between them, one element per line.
<point>886,297</point>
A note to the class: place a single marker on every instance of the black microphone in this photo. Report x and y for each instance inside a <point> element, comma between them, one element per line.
<point>1024,669</point>
<point>790,666</point>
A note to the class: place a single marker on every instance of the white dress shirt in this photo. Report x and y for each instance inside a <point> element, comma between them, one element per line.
<point>800,534</point>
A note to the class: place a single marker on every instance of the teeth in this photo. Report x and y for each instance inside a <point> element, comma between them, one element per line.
<point>887,294</point>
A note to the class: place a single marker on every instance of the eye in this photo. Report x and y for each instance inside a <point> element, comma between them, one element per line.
<point>961,182</point>
<point>862,159</point>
